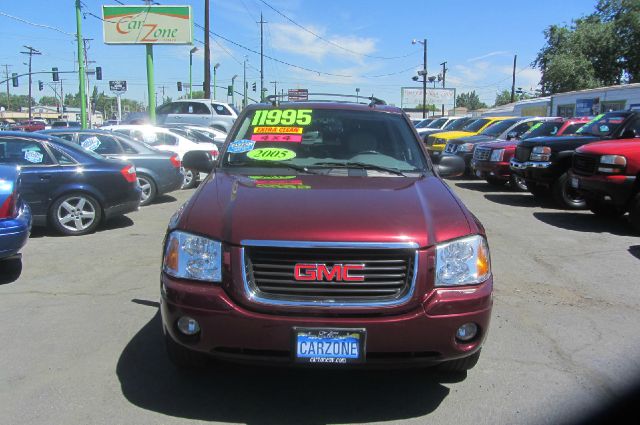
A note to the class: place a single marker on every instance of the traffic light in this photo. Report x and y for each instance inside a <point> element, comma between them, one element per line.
<point>14,78</point>
<point>254,86</point>
<point>230,91</point>
<point>54,73</point>
<point>179,86</point>
<point>40,86</point>
<point>98,73</point>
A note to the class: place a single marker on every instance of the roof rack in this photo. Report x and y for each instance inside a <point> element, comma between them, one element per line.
<point>275,99</point>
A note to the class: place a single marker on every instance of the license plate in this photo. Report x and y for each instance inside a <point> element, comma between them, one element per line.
<point>575,183</point>
<point>334,346</point>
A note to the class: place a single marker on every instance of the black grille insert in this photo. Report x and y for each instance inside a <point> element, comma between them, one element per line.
<point>387,273</point>
<point>585,165</point>
<point>523,153</point>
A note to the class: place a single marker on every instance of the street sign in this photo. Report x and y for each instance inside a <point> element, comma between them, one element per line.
<point>147,24</point>
<point>119,86</point>
<point>296,95</point>
<point>412,96</point>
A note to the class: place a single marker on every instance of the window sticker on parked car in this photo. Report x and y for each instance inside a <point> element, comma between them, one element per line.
<point>272,177</point>
<point>34,157</point>
<point>282,138</point>
<point>91,143</point>
<point>277,130</point>
<point>282,117</point>
<point>536,125</point>
<point>241,146</point>
<point>271,154</point>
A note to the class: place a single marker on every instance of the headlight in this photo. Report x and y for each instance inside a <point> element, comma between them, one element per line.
<point>497,155</point>
<point>189,256</point>
<point>616,163</point>
<point>465,147</point>
<point>541,153</point>
<point>463,262</point>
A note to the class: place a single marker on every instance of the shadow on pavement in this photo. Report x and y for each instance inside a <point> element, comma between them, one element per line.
<point>163,199</point>
<point>522,199</point>
<point>10,269</point>
<point>118,222</point>
<point>589,223</point>
<point>483,186</point>
<point>264,395</point>
<point>635,251</point>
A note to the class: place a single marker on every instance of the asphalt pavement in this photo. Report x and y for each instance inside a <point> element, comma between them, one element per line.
<point>82,343</point>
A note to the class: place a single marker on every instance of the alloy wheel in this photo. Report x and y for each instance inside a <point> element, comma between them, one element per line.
<point>76,213</point>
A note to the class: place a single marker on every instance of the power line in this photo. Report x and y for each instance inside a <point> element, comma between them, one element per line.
<point>329,41</point>
<point>36,25</point>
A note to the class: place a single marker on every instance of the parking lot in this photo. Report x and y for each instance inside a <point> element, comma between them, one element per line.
<point>82,336</point>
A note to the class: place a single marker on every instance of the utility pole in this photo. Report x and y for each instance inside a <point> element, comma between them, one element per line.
<point>261,59</point>
<point>233,90</point>
<point>31,51</point>
<point>6,74</point>
<point>275,87</point>
<point>444,78</point>
<point>424,81</point>
<point>81,76</point>
<point>207,53</point>
<point>85,42</point>
<point>513,81</point>
<point>215,68</point>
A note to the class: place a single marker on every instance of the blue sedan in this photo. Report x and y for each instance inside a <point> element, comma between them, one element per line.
<point>15,215</point>
<point>69,188</point>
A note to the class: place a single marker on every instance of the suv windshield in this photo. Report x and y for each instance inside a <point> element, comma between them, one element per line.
<point>603,125</point>
<point>474,126</point>
<point>457,124</point>
<point>315,139</point>
<point>424,123</point>
<point>437,123</point>
<point>498,128</point>
<point>542,129</point>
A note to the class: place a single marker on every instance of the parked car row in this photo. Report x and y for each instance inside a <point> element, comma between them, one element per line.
<point>582,163</point>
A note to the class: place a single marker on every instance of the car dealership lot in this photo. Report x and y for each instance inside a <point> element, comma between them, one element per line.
<point>82,337</point>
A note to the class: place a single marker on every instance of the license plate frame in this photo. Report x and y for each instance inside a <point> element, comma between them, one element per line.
<point>327,337</point>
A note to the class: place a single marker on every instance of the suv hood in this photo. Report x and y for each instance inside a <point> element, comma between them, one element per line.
<point>612,147</point>
<point>559,143</point>
<point>473,139</point>
<point>498,144</point>
<point>233,207</point>
<point>448,135</point>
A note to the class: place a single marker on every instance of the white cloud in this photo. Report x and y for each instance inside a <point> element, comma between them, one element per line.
<point>488,55</point>
<point>292,39</point>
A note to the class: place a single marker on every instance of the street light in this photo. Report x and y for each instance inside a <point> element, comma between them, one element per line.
<point>233,91</point>
<point>357,95</point>
<point>423,72</point>
<point>191,52</point>
<point>215,68</point>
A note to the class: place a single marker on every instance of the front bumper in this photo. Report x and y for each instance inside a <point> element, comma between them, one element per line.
<point>538,172</point>
<point>615,190</point>
<point>14,232</point>
<point>423,334</point>
<point>492,169</point>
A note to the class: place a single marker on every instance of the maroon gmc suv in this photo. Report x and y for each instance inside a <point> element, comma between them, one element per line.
<point>324,235</point>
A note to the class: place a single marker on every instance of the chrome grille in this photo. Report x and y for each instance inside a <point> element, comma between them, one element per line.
<point>388,274</point>
<point>523,153</point>
<point>451,148</point>
<point>585,165</point>
<point>482,154</point>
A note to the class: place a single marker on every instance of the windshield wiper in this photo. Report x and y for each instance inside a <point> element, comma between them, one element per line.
<point>272,164</point>
<point>363,165</point>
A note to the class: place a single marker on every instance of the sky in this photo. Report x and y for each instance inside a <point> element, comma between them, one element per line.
<point>365,44</point>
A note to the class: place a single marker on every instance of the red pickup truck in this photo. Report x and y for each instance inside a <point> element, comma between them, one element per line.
<point>28,126</point>
<point>324,236</point>
<point>607,174</point>
<point>491,159</point>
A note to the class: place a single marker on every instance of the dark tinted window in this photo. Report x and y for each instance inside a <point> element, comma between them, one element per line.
<point>549,128</point>
<point>65,136</point>
<point>197,108</point>
<point>497,128</point>
<point>438,123</point>
<point>170,108</point>
<point>23,151</point>
<point>221,110</point>
<point>127,147</point>
<point>457,124</point>
<point>572,128</point>
<point>100,143</point>
<point>475,126</point>
<point>61,157</point>
<point>603,125</point>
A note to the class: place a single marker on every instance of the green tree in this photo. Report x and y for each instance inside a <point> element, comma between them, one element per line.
<point>470,100</point>
<point>625,17</point>
<point>503,98</point>
<point>49,101</point>
<point>16,102</point>
<point>430,108</point>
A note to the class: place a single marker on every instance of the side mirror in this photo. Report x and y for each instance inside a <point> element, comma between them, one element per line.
<point>629,133</point>
<point>512,135</point>
<point>450,166</point>
<point>200,161</point>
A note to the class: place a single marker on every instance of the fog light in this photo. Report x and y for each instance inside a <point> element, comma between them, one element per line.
<point>467,332</point>
<point>188,325</point>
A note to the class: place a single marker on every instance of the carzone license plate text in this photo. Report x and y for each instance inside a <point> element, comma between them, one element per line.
<point>327,350</point>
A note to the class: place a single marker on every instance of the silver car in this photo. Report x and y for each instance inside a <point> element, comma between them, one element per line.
<point>202,112</point>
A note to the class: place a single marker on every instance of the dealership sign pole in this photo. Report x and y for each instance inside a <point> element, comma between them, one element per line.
<point>118,88</point>
<point>148,25</point>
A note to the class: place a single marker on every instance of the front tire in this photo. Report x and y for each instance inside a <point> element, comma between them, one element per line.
<point>460,365</point>
<point>190,179</point>
<point>75,214</point>
<point>518,183</point>
<point>149,189</point>
<point>566,196</point>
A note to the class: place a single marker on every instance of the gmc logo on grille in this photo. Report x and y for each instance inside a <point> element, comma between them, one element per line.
<point>322,272</point>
